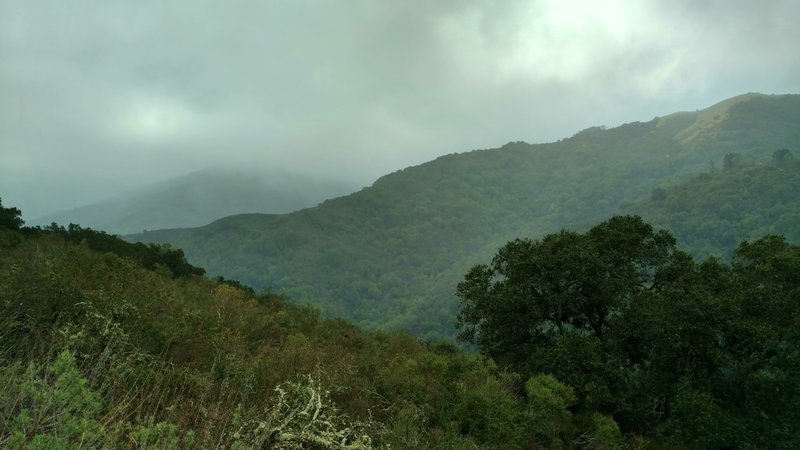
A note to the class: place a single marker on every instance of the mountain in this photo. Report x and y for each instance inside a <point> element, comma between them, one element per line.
<point>390,256</point>
<point>200,198</point>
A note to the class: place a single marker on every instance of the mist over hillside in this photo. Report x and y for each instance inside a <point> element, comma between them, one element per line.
<point>200,198</point>
<point>390,255</point>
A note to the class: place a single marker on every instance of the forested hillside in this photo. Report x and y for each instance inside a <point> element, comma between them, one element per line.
<point>609,339</point>
<point>198,199</point>
<point>743,200</point>
<point>389,255</point>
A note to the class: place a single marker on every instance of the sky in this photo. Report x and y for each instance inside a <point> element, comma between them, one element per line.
<point>101,97</point>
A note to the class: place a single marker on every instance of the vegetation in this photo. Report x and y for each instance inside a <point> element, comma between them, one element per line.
<point>693,355</point>
<point>609,339</point>
<point>149,256</point>
<point>743,200</point>
<point>99,352</point>
<point>387,257</point>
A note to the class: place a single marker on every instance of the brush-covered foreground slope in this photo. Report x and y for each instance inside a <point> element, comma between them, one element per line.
<point>744,200</point>
<point>97,352</point>
<point>198,199</point>
<point>390,255</point>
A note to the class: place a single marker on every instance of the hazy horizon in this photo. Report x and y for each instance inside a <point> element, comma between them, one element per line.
<point>99,98</point>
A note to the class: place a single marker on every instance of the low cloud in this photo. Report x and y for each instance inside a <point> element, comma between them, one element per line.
<point>99,97</point>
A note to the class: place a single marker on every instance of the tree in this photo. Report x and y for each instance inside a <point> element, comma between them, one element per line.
<point>537,291</point>
<point>10,217</point>
<point>696,355</point>
<point>784,159</point>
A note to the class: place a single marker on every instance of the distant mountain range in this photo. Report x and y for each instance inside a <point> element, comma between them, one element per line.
<point>200,198</point>
<point>390,256</point>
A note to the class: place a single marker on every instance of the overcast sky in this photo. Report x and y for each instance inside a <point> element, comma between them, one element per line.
<point>98,97</point>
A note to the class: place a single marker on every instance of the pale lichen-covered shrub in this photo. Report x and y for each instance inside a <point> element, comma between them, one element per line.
<point>302,417</point>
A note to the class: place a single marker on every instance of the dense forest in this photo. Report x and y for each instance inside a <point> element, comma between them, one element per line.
<point>388,256</point>
<point>743,200</point>
<point>612,338</point>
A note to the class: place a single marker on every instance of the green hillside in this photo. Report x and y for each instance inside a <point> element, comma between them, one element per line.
<point>99,352</point>
<point>389,255</point>
<point>744,200</point>
<point>198,199</point>
<point>608,339</point>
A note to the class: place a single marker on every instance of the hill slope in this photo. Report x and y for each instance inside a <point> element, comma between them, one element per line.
<point>97,351</point>
<point>199,198</point>
<point>713,212</point>
<point>390,255</point>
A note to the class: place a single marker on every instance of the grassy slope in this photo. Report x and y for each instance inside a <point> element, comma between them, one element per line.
<point>390,255</point>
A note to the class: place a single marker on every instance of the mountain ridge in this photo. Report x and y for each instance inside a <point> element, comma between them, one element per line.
<point>199,198</point>
<point>389,256</point>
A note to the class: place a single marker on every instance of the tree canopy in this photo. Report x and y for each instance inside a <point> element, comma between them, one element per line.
<point>566,282</point>
<point>701,354</point>
<point>10,218</point>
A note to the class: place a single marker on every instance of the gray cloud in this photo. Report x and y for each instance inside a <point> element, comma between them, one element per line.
<point>98,97</point>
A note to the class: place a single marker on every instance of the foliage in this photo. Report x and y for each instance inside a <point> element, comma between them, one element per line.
<point>10,218</point>
<point>49,407</point>
<point>98,352</point>
<point>149,256</point>
<point>693,355</point>
<point>549,401</point>
<point>713,212</point>
<point>564,284</point>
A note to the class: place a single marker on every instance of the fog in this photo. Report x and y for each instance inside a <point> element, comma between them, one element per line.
<point>100,97</point>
